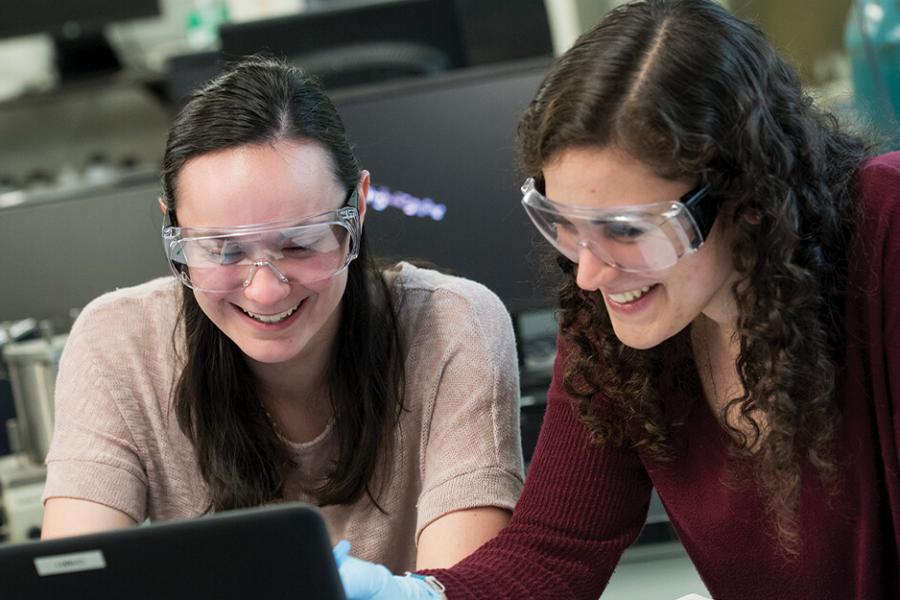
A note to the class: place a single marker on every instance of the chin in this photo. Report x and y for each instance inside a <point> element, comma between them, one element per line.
<point>637,340</point>
<point>268,351</point>
<point>639,346</point>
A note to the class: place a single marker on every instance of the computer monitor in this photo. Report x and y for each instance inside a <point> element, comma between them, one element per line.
<point>356,44</point>
<point>447,139</point>
<point>76,27</point>
<point>349,42</point>
<point>445,188</point>
<point>103,237</point>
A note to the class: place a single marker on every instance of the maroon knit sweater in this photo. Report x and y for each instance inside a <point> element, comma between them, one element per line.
<point>582,506</point>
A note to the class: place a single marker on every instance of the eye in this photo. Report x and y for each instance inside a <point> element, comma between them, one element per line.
<point>313,241</point>
<point>623,230</point>
<point>301,246</point>
<point>297,250</point>
<point>222,252</point>
<point>566,226</point>
<point>565,230</point>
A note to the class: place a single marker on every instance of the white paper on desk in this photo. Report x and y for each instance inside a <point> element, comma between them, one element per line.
<point>693,597</point>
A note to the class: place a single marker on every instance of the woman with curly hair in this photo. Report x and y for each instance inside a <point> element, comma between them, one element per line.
<point>729,324</point>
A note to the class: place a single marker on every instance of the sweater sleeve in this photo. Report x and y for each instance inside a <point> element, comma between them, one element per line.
<point>890,281</point>
<point>891,290</point>
<point>880,280</point>
<point>582,505</point>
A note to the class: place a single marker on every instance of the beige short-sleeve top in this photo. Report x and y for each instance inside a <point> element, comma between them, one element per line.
<point>117,442</point>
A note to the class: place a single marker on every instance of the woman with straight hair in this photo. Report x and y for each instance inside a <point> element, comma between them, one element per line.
<point>280,363</point>
<point>729,325</point>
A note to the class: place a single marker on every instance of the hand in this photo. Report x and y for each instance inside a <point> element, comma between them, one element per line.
<point>367,581</point>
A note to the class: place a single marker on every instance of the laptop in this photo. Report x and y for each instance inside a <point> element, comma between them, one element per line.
<point>273,552</point>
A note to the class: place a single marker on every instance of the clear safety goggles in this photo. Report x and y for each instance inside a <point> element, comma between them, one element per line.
<point>637,238</point>
<point>300,251</point>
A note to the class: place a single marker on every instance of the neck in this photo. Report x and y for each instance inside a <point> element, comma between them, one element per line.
<point>304,378</point>
<point>295,396</point>
<point>720,337</point>
<point>716,349</point>
<point>291,382</point>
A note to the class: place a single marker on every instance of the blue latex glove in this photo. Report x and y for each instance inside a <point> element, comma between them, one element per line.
<point>367,581</point>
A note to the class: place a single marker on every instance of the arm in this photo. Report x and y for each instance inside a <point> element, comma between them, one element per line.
<point>891,336</point>
<point>95,477</point>
<point>879,270</point>
<point>471,457</point>
<point>892,356</point>
<point>581,507</point>
<point>890,284</point>
<point>69,516</point>
<point>454,536</point>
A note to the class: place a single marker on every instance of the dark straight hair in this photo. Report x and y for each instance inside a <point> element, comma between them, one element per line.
<point>696,93</point>
<point>216,398</point>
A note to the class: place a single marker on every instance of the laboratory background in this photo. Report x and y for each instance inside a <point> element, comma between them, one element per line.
<point>430,92</point>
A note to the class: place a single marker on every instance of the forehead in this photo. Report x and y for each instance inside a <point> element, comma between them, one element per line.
<point>257,183</point>
<point>606,177</point>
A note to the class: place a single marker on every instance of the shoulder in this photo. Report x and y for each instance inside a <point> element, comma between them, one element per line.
<point>129,323</point>
<point>120,355</point>
<point>877,217</point>
<point>883,166</point>
<point>418,291</point>
<point>159,291</point>
<point>144,306</point>
<point>441,316</point>
<point>878,181</point>
<point>875,253</point>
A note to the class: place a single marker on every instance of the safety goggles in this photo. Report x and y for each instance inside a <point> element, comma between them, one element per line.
<point>300,251</point>
<point>638,238</point>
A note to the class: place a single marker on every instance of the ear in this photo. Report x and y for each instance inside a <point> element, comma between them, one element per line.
<point>753,216</point>
<point>362,189</point>
<point>162,205</point>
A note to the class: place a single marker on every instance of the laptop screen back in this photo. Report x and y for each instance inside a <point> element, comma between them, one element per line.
<point>277,552</point>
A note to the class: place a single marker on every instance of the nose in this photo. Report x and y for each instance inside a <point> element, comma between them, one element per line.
<point>265,284</point>
<point>592,271</point>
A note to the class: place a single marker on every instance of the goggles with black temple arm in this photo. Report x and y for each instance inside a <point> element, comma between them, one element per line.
<point>636,238</point>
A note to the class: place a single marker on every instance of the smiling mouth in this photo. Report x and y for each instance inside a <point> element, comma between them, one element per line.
<point>628,297</point>
<point>276,318</point>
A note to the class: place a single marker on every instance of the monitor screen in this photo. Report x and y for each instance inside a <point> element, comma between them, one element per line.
<point>63,248</point>
<point>445,190</point>
<point>356,44</point>
<point>80,47</point>
<point>55,16</point>
<point>441,151</point>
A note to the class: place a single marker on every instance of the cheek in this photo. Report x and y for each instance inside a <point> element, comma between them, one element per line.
<point>698,278</point>
<point>210,305</point>
<point>329,292</point>
<point>684,285</point>
<point>718,265</point>
<point>719,244</point>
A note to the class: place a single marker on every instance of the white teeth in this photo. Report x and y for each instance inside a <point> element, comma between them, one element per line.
<point>626,297</point>
<point>272,318</point>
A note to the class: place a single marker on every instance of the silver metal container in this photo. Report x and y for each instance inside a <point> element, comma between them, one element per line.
<point>32,371</point>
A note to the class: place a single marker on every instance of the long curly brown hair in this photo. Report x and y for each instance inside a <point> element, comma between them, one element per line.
<point>694,92</point>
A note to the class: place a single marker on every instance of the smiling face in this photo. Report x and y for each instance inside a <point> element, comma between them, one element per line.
<point>645,308</point>
<point>270,321</point>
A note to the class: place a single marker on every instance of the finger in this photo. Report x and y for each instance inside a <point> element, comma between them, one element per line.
<point>340,551</point>
<point>362,579</point>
